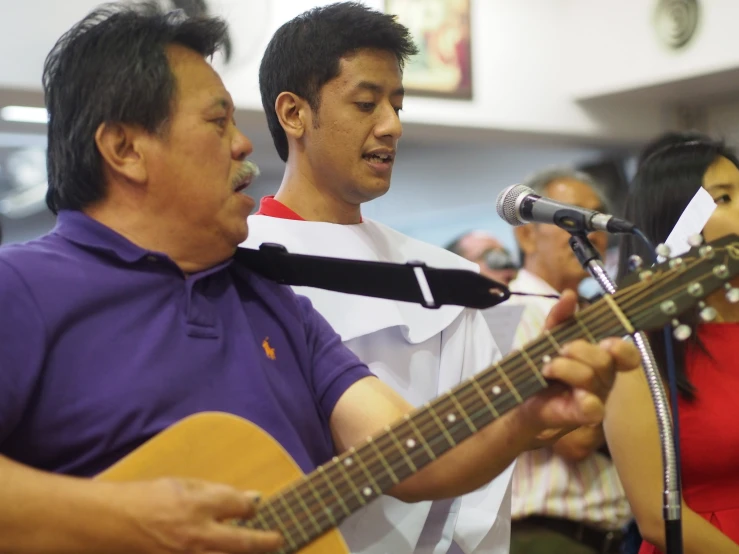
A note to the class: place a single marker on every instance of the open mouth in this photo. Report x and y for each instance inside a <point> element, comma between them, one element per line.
<point>379,158</point>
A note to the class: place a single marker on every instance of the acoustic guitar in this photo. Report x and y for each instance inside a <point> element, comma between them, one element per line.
<point>306,509</point>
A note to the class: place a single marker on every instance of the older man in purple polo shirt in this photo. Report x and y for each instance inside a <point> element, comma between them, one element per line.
<point>130,315</point>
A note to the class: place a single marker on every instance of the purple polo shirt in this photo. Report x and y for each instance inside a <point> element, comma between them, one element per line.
<point>104,344</point>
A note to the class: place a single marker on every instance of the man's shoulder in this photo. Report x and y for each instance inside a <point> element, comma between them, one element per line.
<point>43,255</point>
<point>412,249</point>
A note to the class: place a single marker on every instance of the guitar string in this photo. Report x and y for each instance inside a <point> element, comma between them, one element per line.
<point>324,526</point>
<point>436,427</point>
<point>630,297</point>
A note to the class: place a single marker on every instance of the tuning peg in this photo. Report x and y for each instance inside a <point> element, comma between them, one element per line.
<point>663,250</point>
<point>706,251</point>
<point>695,240</point>
<point>732,293</point>
<point>682,332</point>
<point>635,262</point>
<point>708,314</point>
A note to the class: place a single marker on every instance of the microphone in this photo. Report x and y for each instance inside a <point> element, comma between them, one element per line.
<point>518,205</point>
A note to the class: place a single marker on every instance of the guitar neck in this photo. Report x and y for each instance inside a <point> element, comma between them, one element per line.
<point>325,497</point>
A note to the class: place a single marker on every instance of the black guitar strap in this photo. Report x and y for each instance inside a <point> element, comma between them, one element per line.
<point>410,282</point>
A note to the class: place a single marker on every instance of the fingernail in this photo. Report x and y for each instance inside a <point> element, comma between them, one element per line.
<point>546,371</point>
<point>606,344</point>
<point>254,496</point>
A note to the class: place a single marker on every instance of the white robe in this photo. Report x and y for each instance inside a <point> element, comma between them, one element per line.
<point>420,353</point>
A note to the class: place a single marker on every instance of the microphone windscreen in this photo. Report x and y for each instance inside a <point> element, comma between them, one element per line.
<point>506,204</point>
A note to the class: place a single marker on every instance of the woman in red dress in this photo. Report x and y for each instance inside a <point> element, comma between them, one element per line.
<point>671,171</point>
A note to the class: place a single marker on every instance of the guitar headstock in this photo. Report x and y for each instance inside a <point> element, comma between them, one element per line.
<point>655,296</point>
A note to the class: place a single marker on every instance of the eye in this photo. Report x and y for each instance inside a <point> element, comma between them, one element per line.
<point>398,109</point>
<point>366,106</point>
<point>723,199</point>
<point>222,122</point>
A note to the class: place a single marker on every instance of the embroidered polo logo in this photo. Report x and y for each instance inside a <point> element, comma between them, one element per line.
<point>268,350</point>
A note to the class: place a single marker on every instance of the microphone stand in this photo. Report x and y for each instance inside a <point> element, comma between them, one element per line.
<point>671,507</point>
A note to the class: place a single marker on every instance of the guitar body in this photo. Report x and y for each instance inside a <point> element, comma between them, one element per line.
<point>222,448</point>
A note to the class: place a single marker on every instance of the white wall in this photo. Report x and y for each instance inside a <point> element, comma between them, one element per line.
<point>519,50</point>
<point>613,46</point>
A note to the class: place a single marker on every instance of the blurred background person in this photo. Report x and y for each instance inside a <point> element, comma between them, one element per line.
<point>486,251</point>
<point>567,498</point>
<point>672,170</point>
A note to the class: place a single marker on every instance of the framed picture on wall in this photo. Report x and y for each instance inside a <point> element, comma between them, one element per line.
<point>441,30</point>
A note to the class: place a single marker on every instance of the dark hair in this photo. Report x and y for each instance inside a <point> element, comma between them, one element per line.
<point>455,246</point>
<point>670,172</point>
<point>304,54</point>
<point>112,67</point>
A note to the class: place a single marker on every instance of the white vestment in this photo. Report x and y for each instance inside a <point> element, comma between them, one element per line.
<point>420,353</point>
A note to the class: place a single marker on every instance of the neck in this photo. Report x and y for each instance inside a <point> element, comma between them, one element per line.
<point>153,232</point>
<point>301,191</point>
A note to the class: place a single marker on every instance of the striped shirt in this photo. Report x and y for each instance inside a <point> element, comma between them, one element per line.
<point>544,483</point>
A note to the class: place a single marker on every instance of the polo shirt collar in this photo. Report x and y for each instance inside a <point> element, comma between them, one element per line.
<point>82,230</point>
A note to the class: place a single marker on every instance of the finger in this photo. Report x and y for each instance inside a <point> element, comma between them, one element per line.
<point>594,356</point>
<point>577,375</point>
<point>562,310</point>
<point>224,502</point>
<point>624,353</point>
<point>236,540</point>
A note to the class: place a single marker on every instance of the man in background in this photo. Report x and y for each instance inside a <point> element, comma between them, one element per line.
<point>567,498</point>
<point>493,259</point>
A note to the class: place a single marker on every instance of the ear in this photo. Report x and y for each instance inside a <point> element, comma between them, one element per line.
<point>121,147</point>
<point>294,113</point>
<point>525,237</point>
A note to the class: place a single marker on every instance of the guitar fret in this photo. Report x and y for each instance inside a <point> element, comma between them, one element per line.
<point>389,470</point>
<point>259,518</point>
<point>481,392</point>
<point>340,464</point>
<point>418,434</point>
<point>625,323</point>
<point>280,526</point>
<point>296,494</point>
<point>535,369</point>
<point>585,328</point>
<point>462,411</point>
<point>343,505</point>
<point>367,474</point>
<point>552,340</point>
<point>326,508</point>
<point>402,451</point>
<point>293,516</point>
<point>508,382</point>
<point>440,425</point>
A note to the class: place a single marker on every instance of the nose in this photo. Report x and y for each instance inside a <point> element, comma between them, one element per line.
<point>389,124</point>
<point>241,146</point>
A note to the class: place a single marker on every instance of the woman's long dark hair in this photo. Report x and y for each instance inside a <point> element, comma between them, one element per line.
<point>670,172</point>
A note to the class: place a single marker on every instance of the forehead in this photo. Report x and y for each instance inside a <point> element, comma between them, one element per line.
<point>721,172</point>
<point>478,243</point>
<point>572,191</point>
<point>196,80</point>
<point>367,64</point>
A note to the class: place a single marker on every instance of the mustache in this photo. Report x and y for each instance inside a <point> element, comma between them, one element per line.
<point>248,170</point>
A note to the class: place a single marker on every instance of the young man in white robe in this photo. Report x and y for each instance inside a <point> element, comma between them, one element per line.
<point>331,85</point>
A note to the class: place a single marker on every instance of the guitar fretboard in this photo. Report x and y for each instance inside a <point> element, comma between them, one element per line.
<point>325,497</point>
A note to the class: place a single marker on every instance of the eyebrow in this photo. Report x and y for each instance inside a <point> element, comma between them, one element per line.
<point>374,87</point>
<point>222,102</point>
<point>720,186</point>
